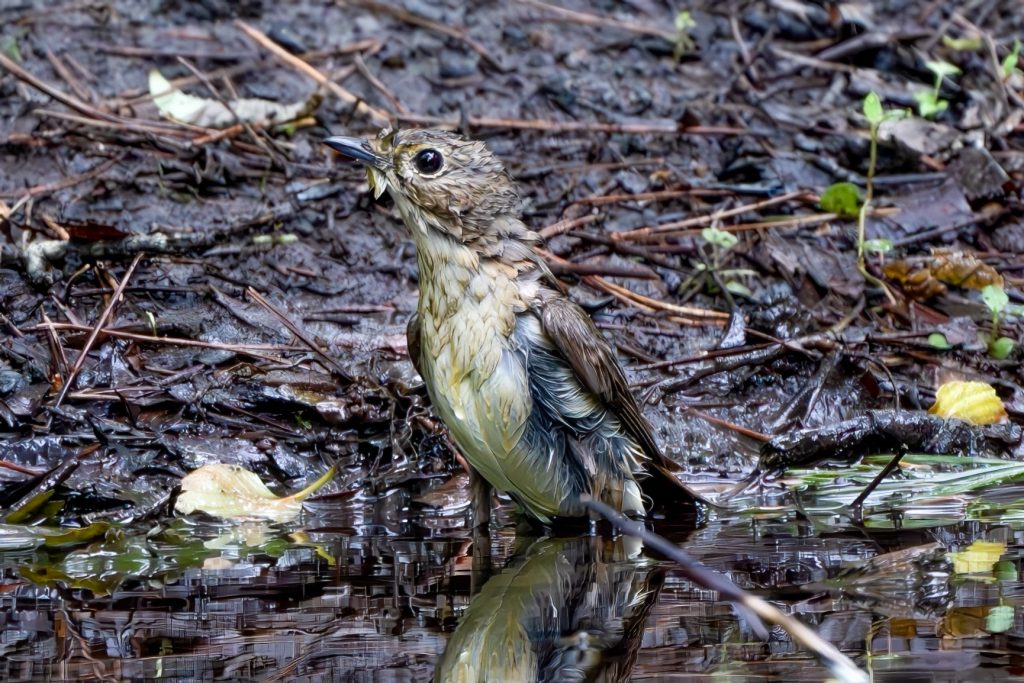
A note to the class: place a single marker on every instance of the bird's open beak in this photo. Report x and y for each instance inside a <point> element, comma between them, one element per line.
<point>358,149</point>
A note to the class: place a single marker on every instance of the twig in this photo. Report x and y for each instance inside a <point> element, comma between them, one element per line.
<point>661,230</point>
<point>32,192</point>
<point>423,22</point>
<point>664,127</point>
<point>632,298</point>
<point>377,84</point>
<point>258,298</point>
<point>835,661</point>
<point>247,349</point>
<point>96,330</point>
<point>597,20</point>
<point>65,73</point>
<point>562,227</point>
<point>377,116</point>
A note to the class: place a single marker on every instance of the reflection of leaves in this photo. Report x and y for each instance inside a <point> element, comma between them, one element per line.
<point>926,494</point>
<point>978,558</point>
<point>101,568</point>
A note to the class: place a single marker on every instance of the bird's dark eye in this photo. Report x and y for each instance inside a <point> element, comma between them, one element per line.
<point>428,161</point>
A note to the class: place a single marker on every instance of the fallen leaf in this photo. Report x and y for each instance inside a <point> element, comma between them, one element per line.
<point>974,402</point>
<point>233,492</point>
<point>207,113</point>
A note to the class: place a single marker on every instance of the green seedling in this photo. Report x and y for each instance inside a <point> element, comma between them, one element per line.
<point>684,23</point>
<point>876,116</point>
<point>720,243</point>
<point>1011,60</point>
<point>929,103</point>
<point>996,300</point>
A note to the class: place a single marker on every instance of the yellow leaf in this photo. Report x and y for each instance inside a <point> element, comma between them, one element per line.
<point>974,402</point>
<point>978,558</point>
<point>233,492</point>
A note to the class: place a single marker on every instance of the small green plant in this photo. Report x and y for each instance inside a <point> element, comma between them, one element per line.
<point>996,300</point>
<point>1011,60</point>
<point>684,42</point>
<point>876,116</point>
<point>929,104</point>
<point>711,272</point>
<point>878,245</point>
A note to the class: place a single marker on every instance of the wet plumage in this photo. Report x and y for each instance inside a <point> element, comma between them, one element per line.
<point>529,389</point>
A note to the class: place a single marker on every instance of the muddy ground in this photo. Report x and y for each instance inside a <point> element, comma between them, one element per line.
<point>264,323</point>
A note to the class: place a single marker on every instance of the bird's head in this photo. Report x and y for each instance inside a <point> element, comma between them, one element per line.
<point>440,181</point>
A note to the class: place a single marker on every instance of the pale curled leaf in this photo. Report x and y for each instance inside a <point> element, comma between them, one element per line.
<point>233,492</point>
<point>974,402</point>
<point>209,113</point>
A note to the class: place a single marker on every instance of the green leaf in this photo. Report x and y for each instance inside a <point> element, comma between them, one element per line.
<point>878,246</point>
<point>938,341</point>
<point>684,21</point>
<point>1010,61</point>
<point>942,69</point>
<point>738,288</point>
<point>995,298</point>
<point>719,238</point>
<point>929,105</point>
<point>1001,348</point>
<point>9,46</point>
<point>841,198</point>
<point>963,44</point>
<point>873,109</point>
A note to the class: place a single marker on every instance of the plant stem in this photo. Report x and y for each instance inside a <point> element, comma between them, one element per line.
<point>862,215</point>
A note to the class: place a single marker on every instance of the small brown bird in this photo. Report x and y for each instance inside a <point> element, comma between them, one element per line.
<point>531,392</point>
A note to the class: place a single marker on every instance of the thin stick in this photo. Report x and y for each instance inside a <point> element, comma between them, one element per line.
<point>662,127</point>
<point>586,19</point>
<point>423,22</point>
<point>258,298</point>
<point>660,230</point>
<point>835,661</point>
<point>377,116</point>
<point>96,330</point>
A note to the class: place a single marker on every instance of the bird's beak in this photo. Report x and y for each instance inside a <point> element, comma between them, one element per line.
<point>358,149</point>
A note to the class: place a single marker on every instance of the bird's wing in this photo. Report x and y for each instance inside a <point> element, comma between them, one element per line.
<point>580,343</point>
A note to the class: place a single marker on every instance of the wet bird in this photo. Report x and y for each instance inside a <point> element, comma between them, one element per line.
<point>530,391</point>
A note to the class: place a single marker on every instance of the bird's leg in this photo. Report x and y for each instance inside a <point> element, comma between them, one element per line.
<point>480,495</point>
<point>479,491</point>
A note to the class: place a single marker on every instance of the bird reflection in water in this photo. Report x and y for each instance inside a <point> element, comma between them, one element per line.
<point>564,609</point>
